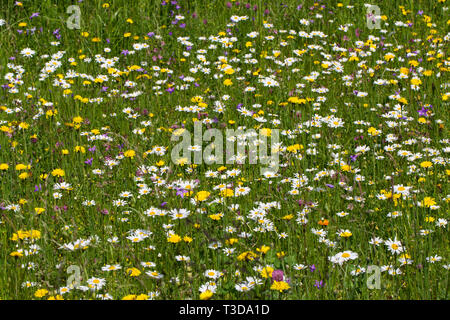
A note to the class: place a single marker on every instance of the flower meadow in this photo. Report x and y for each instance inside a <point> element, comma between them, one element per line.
<point>93,206</point>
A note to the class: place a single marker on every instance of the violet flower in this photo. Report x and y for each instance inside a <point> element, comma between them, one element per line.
<point>423,112</point>
<point>181,192</point>
<point>319,284</point>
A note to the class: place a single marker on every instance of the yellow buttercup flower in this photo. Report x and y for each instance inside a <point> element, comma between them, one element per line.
<point>263,249</point>
<point>202,195</point>
<point>77,119</point>
<point>133,272</point>
<point>227,192</point>
<point>58,173</point>
<point>266,132</point>
<point>280,286</point>
<point>205,295</point>
<point>428,202</point>
<point>129,154</point>
<point>247,255</point>
<point>40,293</point>
<point>426,164</point>
<point>174,238</point>
<point>266,272</point>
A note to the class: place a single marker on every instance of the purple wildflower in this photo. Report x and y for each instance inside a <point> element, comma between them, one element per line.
<point>181,192</point>
<point>423,111</point>
<point>319,284</point>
